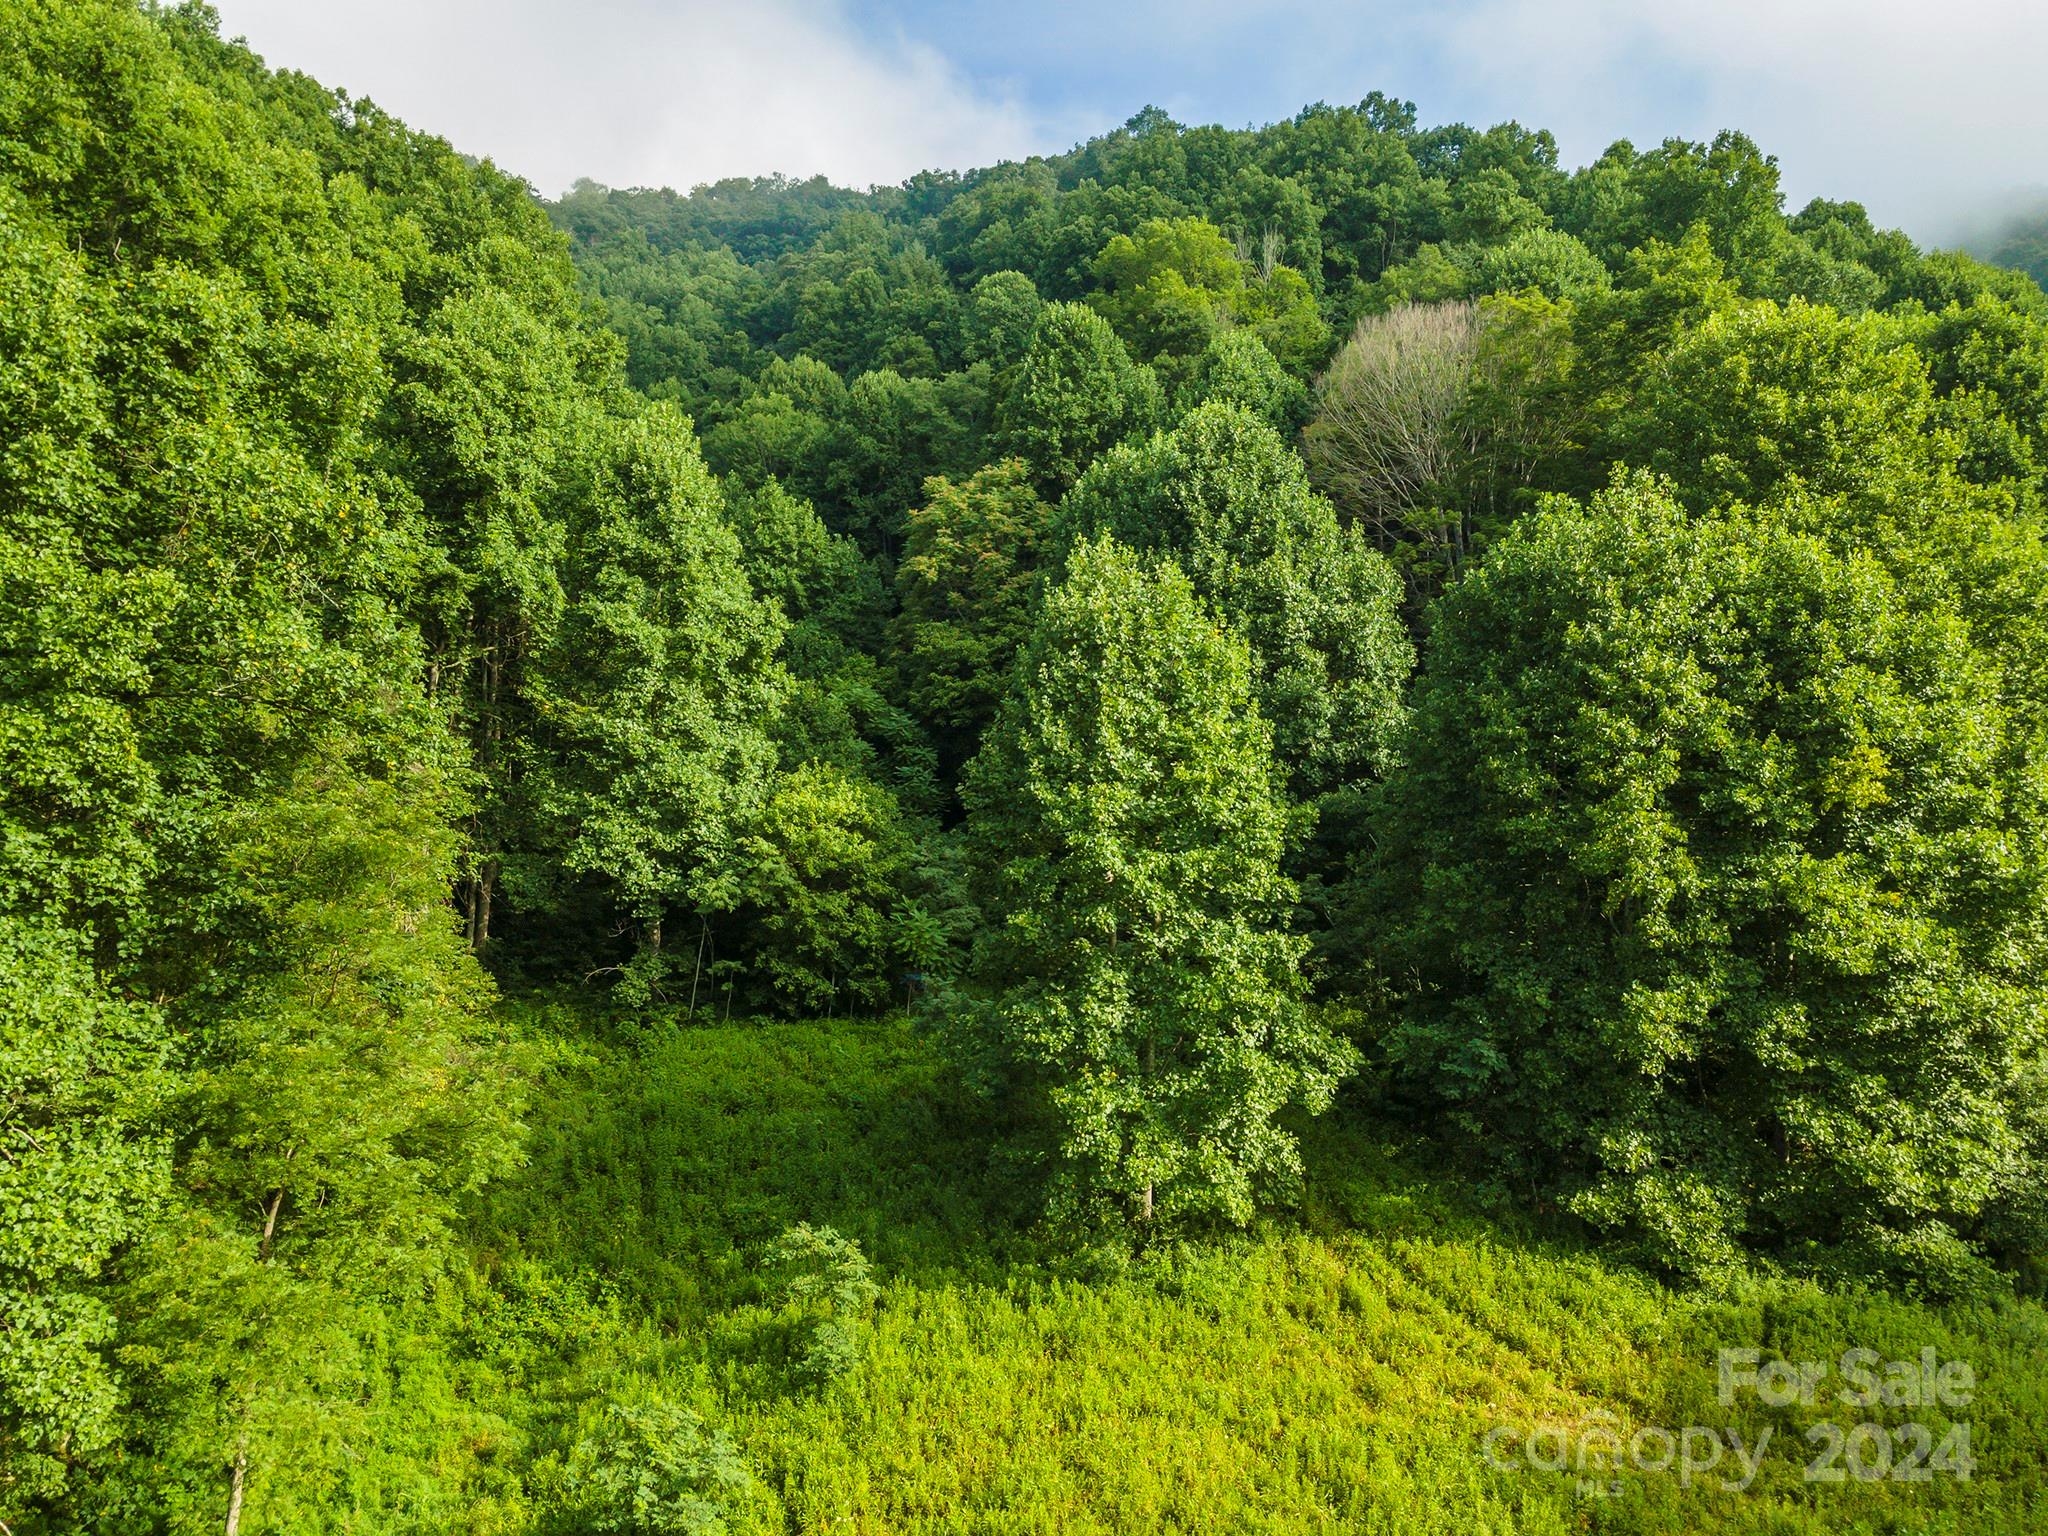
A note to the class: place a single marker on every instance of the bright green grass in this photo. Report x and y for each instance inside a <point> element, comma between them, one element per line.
<point>1335,1372</point>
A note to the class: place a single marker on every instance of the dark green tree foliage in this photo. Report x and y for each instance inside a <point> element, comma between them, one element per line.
<point>892,433</point>
<point>81,1071</point>
<point>1002,313</point>
<point>1757,402</point>
<point>1168,289</point>
<point>485,394</point>
<point>857,452</point>
<point>1127,831</point>
<point>968,586</point>
<point>865,297</point>
<point>1988,363</point>
<point>1712,890</point>
<point>267,471</point>
<point>1176,284</point>
<point>1728,189</point>
<point>654,701</point>
<point>1333,214</point>
<point>1224,496</point>
<point>1076,393</point>
<point>681,313</point>
<point>824,874</point>
<point>782,429</point>
<point>838,709</point>
<point>1237,368</point>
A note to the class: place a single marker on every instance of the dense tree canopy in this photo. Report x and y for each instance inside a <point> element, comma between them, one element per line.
<point>1583,631</point>
<point>1714,877</point>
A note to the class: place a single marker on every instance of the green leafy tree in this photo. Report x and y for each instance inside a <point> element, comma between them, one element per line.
<point>824,869</point>
<point>1661,292</point>
<point>1277,305</point>
<point>1168,287</point>
<point>225,554</point>
<point>1136,978</point>
<point>1171,287</point>
<point>1714,892</point>
<point>1076,393</point>
<point>82,1174</point>
<point>968,585</point>
<point>1224,496</point>
<point>1761,401</point>
<point>893,433</point>
<point>1002,313</point>
<point>783,428</point>
<point>1237,368</point>
<point>1551,262</point>
<point>1727,190</point>
<point>486,394</point>
<point>652,750</point>
<point>1988,364</point>
<point>334,1112</point>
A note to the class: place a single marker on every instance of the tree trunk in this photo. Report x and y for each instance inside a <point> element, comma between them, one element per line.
<point>1151,1072</point>
<point>234,1524</point>
<point>703,932</point>
<point>269,1225</point>
<point>487,882</point>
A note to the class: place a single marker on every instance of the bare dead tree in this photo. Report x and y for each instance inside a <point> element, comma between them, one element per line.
<point>1266,256</point>
<point>1393,431</point>
<point>1272,248</point>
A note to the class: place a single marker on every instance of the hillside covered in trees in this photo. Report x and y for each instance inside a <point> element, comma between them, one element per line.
<point>1130,842</point>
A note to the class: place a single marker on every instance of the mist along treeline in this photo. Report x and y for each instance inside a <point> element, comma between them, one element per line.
<point>1209,621</point>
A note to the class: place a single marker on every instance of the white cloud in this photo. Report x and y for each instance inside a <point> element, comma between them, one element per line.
<point>1926,114</point>
<point>1923,112</point>
<point>642,92</point>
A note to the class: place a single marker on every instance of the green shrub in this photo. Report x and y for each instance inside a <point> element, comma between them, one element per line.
<point>829,1281</point>
<point>656,1469</point>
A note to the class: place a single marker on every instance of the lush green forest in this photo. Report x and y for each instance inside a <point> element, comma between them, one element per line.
<point>1152,840</point>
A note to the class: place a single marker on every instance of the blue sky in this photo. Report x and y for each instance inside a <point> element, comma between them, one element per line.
<point>1922,114</point>
<point>1234,64</point>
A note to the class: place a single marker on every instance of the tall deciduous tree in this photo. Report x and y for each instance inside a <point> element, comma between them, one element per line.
<point>81,1175</point>
<point>1136,977</point>
<point>1237,368</point>
<point>1225,497</point>
<point>1715,891</point>
<point>968,583</point>
<point>655,699</point>
<point>1076,392</point>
